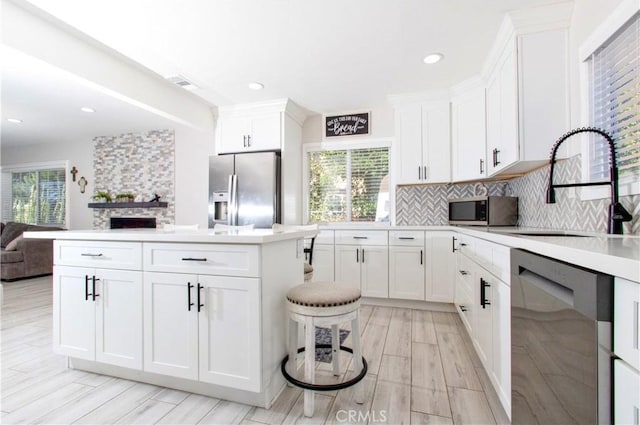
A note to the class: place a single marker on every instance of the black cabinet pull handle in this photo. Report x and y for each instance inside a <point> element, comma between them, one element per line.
<point>421,255</point>
<point>453,244</point>
<point>362,255</point>
<point>88,254</point>
<point>463,244</point>
<point>86,287</point>
<point>94,295</point>
<point>464,273</point>
<point>189,303</point>
<point>497,153</point>
<point>481,166</point>
<point>200,305</point>
<point>463,308</point>
<point>357,255</point>
<point>406,238</point>
<point>193,259</point>
<point>483,300</point>
<point>419,172</point>
<point>360,237</point>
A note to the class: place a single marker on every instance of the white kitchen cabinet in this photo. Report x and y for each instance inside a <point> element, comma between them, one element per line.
<point>484,305</point>
<point>441,267</point>
<point>406,265</point>
<point>626,319</point>
<point>231,307</point>
<point>97,315</point>
<point>626,390</point>
<point>171,324</point>
<point>362,260</point>
<point>191,327</point>
<point>249,133</point>
<point>423,148</point>
<point>527,100</point>
<point>468,135</point>
<point>323,257</point>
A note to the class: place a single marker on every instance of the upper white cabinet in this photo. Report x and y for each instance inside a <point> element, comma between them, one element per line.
<point>247,133</point>
<point>260,126</point>
<point>468,135</point>
<point>527,92</point>
<point>423,145</point>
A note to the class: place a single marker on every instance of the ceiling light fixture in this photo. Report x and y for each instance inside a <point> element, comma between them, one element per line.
<point>14,120</point>
<point>256,86</point>
<point>86,109</point>
<point>433,58</point>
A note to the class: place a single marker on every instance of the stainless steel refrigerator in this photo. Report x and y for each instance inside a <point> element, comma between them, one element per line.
<point>245,189</point>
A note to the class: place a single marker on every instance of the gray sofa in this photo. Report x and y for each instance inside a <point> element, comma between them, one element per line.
<point>21,258</point>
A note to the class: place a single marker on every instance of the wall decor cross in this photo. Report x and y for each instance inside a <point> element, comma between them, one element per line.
<point>74,171</point>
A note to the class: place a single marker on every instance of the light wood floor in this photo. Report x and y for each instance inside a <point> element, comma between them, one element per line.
<point>422,370</point>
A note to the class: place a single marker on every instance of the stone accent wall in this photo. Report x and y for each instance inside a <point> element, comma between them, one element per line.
<point>142,164</point>
<point>427,205</point>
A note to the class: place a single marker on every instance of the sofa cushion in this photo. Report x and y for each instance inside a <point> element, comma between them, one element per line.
<point>13,245</point>
<point>7,257</point>
<point>11,231</point>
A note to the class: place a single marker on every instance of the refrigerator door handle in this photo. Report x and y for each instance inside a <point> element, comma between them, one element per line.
<point>233,193</point>
<point>230,206</point>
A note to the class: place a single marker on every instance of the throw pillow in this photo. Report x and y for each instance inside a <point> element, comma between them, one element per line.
<point>13,245</point>
<point>11,231</point>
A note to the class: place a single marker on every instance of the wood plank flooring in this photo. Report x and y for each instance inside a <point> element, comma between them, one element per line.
<point>422,370</point>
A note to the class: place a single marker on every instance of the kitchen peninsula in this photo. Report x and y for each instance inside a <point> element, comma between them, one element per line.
<point>195,310</point>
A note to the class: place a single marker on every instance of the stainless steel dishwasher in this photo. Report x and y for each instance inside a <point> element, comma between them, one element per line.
<point>561,342</point>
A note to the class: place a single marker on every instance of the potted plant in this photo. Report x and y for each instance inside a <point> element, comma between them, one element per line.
<point>125,197</point>
<point>102,196</point>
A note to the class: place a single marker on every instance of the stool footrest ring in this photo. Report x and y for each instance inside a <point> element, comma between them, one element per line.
<point>324,387</point>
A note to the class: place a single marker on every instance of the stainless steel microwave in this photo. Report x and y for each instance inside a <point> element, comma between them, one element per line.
<point>484,211</point>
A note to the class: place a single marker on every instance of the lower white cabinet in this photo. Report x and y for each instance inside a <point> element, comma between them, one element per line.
<point>97,315</point>
<point>406,272</point>
<point>484,305</point>
<point>364,266</point>
<point>441,267</point>
<point>626,391</point>
<point>191,328</point>
<point>323,266</point>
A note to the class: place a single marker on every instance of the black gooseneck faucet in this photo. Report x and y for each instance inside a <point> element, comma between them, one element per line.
<point>617,213</point>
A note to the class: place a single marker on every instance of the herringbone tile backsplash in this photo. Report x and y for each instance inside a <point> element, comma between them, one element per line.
<point>427,205</point>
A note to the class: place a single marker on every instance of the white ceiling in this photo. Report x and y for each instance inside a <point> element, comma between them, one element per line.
<point>327,56</point>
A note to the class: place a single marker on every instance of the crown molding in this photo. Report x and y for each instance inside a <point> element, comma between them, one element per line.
<point>284,105</point>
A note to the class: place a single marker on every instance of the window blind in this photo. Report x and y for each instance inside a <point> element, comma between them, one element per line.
<point>348,185</point>
<point>615,91</point>
<point>35,196</point>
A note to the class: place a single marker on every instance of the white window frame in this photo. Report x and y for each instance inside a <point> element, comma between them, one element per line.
<point>345,145</point>
<point>615,21</point>
<point>6,171</point>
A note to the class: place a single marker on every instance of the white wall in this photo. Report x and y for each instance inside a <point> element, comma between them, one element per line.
<point>78,154</point>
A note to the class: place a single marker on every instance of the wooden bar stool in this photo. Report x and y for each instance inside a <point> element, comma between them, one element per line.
<point>323,304</point>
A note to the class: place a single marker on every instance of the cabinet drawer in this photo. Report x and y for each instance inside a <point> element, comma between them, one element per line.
<point>230,260</point>
<point>108,255</point>
<point>361,237</point>
<point>406,238</point>
<point>325,237</point>
<point>626,323</point>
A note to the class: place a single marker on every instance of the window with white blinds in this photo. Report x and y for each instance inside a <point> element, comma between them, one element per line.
<point>348,185</point>
<point>36,196</point>
<point>615,102</point>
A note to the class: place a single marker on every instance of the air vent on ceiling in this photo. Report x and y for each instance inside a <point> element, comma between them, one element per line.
<point>179,80</point>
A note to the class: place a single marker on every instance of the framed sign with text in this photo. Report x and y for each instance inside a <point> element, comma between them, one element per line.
<point>354,124</point>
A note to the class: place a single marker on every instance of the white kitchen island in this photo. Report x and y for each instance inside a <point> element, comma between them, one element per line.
<point>193,310</point>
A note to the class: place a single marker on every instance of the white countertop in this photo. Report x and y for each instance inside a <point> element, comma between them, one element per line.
<point>617,255</point>
<point>243,236</point>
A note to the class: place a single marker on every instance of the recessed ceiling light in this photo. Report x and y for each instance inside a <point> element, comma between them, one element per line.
<point>86,109</point>
<point>14,120</point>
<point>256,86</point>
<point>433,58</point>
